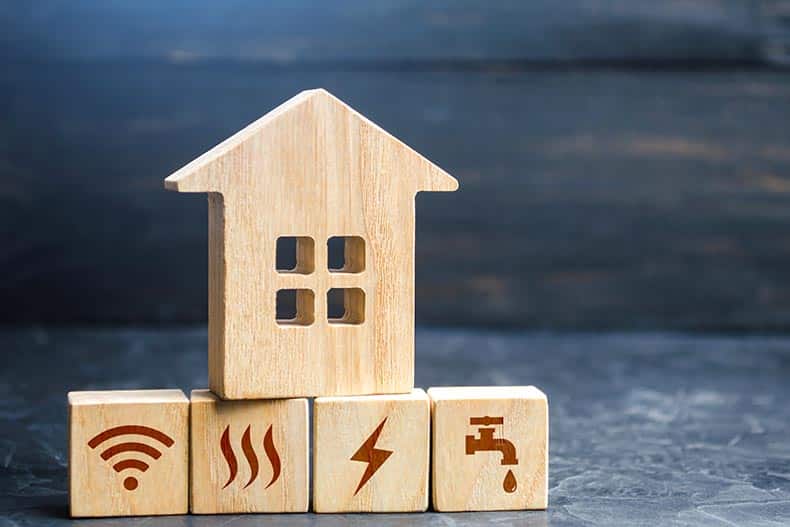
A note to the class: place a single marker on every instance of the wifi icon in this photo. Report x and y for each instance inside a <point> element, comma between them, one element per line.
<point>122,449</point>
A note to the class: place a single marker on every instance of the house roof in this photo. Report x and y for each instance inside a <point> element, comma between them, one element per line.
<point>194,178</point>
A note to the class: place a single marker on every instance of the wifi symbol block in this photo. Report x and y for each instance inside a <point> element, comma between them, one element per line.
<point>128,452</point>
<point>248,456</point>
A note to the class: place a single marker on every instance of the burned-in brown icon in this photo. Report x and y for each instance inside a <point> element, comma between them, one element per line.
<point>250,456</point>
<point>487,442</point>
<point>130,482</point>
<point>374,457</point>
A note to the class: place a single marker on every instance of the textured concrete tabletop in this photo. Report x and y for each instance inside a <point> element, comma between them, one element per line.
<point>646,429</point>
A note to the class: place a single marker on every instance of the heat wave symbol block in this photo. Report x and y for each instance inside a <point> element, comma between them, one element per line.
<point>248,456</point>
<point>128,452</point>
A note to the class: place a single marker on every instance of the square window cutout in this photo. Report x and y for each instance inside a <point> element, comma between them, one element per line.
<point>345,306</point>
<point>295,254</point>
<point>295,307</point>
<point>346,254</point>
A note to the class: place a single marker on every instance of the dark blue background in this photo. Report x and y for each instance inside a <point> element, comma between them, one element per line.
<point>622,164</point>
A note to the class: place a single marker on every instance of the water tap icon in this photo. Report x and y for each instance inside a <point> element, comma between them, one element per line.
<point>488,443</point>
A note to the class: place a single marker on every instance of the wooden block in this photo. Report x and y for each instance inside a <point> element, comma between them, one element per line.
<point>490,448</point>
<point>312,170</point>
<point>371,453</point>
<point>128,452</point>
<point>248,456</point>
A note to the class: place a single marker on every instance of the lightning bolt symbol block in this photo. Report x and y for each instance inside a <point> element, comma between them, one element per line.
<point>374,457</point>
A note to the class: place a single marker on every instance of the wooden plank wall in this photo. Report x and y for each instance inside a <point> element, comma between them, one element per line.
<point>622,164</point>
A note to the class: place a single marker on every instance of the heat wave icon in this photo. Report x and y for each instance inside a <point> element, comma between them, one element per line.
<point>249,454</point>
<point>122,449</point>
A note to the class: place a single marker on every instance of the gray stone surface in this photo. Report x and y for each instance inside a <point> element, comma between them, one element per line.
<point>646,429</point>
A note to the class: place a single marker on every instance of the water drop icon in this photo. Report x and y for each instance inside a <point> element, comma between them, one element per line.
<point>509,484</point>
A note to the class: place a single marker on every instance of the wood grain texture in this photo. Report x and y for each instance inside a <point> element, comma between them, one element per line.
<point>248,456</point>
<point>313,167</point>
<point>489,448</point>
<point>155,432</point>
<point>349,430</point>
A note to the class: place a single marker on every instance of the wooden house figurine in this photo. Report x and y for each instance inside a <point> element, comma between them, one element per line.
<point>310,171</point>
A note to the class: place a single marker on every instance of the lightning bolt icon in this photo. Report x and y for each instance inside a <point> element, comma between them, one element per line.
<point>374,457</point>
